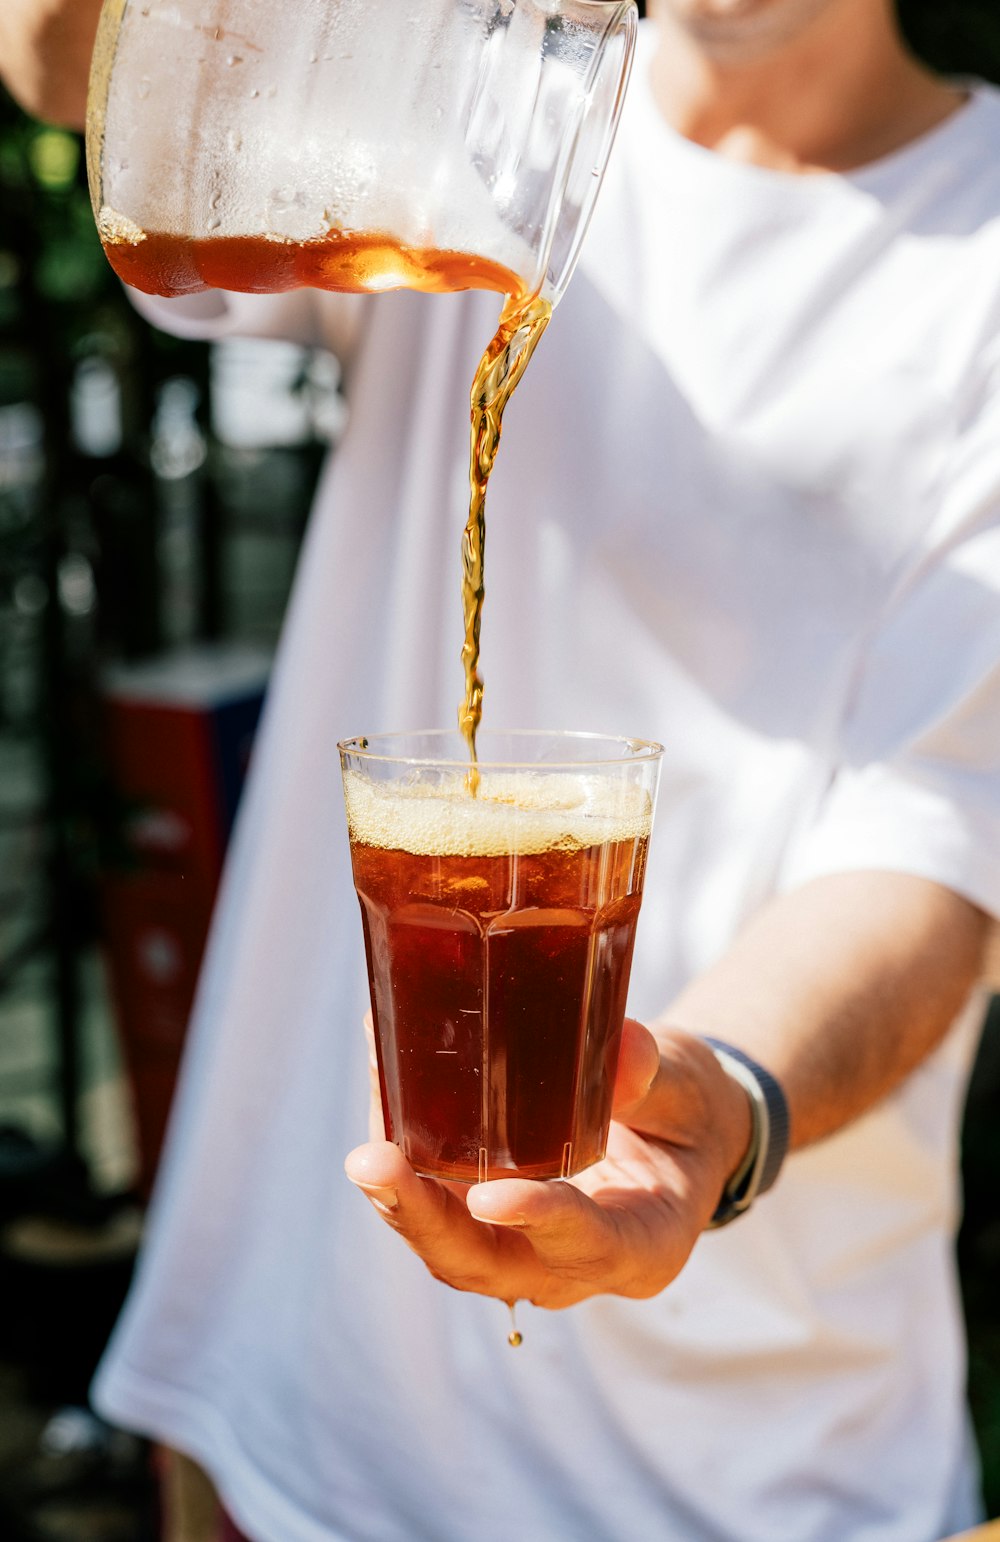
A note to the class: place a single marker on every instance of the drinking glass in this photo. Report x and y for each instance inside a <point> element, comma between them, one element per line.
<point>498,932</point>
<point>352,144</point>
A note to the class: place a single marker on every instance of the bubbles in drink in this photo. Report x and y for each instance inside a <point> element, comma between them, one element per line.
<point>515,813</point>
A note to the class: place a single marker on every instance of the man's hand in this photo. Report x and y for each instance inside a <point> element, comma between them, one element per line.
<point>45,49</point>
<point>625,1226</point>
<point>840,988</point>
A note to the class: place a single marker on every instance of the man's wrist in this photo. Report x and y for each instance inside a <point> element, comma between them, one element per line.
<point>763,1158</point>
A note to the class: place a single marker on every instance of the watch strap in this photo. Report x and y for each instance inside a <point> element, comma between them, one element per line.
<point>768,1136</point>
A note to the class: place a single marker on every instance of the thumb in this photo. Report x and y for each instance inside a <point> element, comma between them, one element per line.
<point>677,1091</point>
<point>638,1063</point>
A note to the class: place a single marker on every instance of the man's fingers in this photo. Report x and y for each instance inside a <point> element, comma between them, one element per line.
<point>577,1245</point>
<point>616,1228</point>
<point>435,1221</point>
<point>683,1095</point>
<point>550,1243</point>
<point>638,1064</point>
<point>659,1087</point>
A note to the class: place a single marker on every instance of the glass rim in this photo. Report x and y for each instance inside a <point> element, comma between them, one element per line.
<point>635,751</point>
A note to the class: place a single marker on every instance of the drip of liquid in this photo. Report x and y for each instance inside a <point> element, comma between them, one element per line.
<point>514,1338</point>
<point>522,322</point>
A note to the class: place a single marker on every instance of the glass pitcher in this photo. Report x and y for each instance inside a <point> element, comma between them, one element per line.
<point>352,144</point>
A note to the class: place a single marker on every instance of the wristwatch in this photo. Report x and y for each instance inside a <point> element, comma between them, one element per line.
<point>768,1136</point>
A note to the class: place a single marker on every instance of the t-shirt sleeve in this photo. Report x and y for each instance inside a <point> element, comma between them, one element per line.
<point>303,316</point>
<point>916,785</point>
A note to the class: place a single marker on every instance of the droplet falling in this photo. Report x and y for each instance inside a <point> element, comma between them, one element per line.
<point>514,1338</point>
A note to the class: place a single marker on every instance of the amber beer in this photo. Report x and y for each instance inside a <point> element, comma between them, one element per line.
<point>498,933</point>
<point>161,263</point>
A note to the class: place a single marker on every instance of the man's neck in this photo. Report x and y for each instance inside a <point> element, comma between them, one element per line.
<point>843,93</point>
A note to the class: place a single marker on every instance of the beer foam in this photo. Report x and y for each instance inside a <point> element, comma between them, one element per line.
<point>518,812</point>
<point>117,229</point>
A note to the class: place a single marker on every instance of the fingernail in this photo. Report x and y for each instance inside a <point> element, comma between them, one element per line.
<point>386,1200</point>
<point>495,1220</point>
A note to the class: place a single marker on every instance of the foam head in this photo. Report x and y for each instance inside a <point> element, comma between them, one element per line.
<point>520,812</point>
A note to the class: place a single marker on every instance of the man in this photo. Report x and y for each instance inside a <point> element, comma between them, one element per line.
<point>776,547</point>
<point>722,77</point>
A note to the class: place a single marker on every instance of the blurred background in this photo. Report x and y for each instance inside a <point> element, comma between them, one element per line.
<point>153,495</point>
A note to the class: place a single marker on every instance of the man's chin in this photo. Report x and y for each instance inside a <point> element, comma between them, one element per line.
<point>735,29</point>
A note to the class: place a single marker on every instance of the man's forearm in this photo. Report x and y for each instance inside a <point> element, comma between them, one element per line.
<point>842,988</point>
<point>45,50</point>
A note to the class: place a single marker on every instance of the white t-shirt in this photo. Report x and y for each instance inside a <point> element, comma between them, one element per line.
<point>747,503</point>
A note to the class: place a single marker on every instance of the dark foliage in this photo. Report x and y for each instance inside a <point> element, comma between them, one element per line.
<point>960,37</point>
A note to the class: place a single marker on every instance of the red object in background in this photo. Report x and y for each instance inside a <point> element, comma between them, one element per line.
<point>178,732</point>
